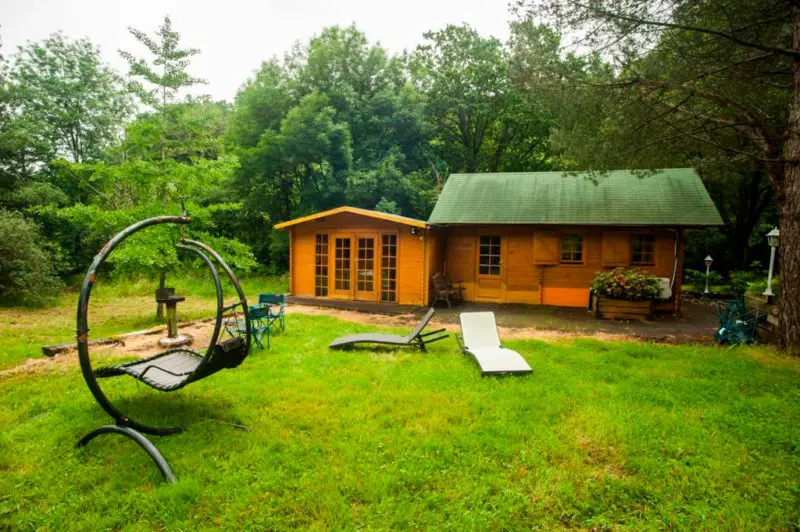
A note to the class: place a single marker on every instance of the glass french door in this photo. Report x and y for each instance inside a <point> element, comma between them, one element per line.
<point>366,286</point>
<point>342,266</point>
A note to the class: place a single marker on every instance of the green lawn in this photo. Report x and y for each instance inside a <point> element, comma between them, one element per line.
<point>601,435</point>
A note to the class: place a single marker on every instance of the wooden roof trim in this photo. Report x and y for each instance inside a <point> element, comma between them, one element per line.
<point>354,210</point>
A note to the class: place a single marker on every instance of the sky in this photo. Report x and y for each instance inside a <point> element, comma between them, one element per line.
<point>235,36</point>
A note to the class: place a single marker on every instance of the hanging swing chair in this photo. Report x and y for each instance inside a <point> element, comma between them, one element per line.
<point>174,368</point>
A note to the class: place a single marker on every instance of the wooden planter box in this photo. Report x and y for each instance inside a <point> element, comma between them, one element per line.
<point>622,309</point>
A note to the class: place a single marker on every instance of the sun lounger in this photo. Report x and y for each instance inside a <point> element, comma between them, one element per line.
<point>415,338</point>
<point>479,339</point>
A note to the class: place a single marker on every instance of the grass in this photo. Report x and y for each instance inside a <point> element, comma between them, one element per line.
<point>601,435</point>
<point>115,308</point>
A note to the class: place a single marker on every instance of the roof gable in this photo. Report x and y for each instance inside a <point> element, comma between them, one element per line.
<point>673,197</point>
<point>354,210</point>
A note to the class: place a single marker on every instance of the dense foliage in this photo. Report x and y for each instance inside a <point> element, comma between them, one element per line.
<point>28,264</point>
<point>626,283</point>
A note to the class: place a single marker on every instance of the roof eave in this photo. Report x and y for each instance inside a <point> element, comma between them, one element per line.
<point>354,210</point>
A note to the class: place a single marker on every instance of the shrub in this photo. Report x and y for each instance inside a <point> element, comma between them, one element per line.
<point>742,279</point>
<point>27,265</point>
<point>698,279</point>
<point>631,284</point>
<point>758,287</point>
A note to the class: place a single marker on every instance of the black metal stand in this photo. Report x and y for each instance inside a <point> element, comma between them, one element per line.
<point>143,442</point>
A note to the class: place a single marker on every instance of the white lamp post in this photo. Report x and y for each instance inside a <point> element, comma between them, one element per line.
<point>773,239</point>
<point>708,260</point>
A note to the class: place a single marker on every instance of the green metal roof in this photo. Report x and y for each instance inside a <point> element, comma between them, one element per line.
<point>674,197</point>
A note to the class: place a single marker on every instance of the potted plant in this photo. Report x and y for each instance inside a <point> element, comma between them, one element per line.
<point>624,293</point>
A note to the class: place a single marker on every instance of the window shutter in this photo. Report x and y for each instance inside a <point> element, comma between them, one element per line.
<point>616,248</point>
<point>546,247</point>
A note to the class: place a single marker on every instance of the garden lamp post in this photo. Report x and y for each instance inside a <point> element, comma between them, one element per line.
<point>708,260</point>
<point>773,238</point>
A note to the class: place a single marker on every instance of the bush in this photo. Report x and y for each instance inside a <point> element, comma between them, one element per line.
<point>630,284</point>
<point>27,264</point>
<point>758,287</point>
<point>742,279</point>
<point>698,279</point>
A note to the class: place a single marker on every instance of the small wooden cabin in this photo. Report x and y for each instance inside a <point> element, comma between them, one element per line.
<point>535,238</point>
<point>358,254</point>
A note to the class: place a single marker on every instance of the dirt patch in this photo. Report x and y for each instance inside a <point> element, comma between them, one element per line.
<point>409,320</point>
<point>139,345</point>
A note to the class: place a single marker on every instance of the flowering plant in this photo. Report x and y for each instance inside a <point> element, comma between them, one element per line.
<point>630,284</point>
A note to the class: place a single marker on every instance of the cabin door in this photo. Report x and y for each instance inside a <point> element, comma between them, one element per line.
<point>366,280</point>
<point>342,286</point>
<point>491,270</point>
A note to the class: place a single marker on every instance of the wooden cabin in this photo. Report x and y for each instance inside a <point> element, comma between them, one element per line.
<point>534,238</point>
<point>358,254</point>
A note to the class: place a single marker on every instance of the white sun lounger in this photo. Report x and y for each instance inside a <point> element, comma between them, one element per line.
<point>479,339</point>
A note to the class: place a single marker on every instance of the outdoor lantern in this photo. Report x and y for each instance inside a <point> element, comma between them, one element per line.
<point>773,239</point>
<point>708,260</point>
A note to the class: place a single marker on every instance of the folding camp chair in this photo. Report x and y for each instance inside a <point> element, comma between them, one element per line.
<point>479,339</point>
<point>259,326</point>
<point>272,301</point>
<point>737,325</point>
<point>416,337</point>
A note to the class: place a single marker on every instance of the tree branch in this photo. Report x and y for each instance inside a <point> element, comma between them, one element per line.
<point>794,54</point>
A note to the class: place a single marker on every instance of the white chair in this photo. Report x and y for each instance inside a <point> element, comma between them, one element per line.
<point>479,339</point>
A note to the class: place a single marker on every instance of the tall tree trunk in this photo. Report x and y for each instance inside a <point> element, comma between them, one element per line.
<point>788,197</point>
<point>789,253</point>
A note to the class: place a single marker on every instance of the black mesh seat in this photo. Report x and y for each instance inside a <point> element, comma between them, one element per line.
<point>175,368</point>
<point>166,371</point>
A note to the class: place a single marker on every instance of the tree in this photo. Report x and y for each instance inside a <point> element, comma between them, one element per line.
<point>696,70</point>
<point>370,91</point>
<point>65,101</point>
<point>194,130</point>
<point>167,75</point>
<point>302,167</point>
<point>28,273</point>
<point>481,122</point>
<point>261,104</point>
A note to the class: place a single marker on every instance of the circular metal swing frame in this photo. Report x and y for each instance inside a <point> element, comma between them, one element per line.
<point>218,356</point>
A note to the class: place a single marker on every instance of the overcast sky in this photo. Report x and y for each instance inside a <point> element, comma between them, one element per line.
<point>234,36</point>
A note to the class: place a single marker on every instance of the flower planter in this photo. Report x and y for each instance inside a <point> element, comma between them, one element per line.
<point>622,309</point>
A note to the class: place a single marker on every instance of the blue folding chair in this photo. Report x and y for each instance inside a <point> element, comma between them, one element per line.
<point>272,301</point>
<point>259,326</point>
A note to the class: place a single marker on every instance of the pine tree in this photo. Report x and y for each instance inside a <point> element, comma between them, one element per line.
<point>167,74</point>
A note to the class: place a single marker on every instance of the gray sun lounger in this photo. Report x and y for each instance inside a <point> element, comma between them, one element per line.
<point>479,339</point>
<point>415,338</point>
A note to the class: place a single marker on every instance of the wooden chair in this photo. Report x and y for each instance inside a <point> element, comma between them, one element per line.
<point>446,291</point>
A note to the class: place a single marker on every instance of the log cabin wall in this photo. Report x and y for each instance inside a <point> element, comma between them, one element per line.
<point>437,240</point>
<point>532,268</point>
<point>410,265</point>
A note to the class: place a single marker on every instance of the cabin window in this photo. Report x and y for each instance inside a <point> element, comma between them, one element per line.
<point>389,268</point>
<point>321,266</point>
<point>572,249</point>
<point>342,264</point>
<point>643,249</point>
<point>489,257</point>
